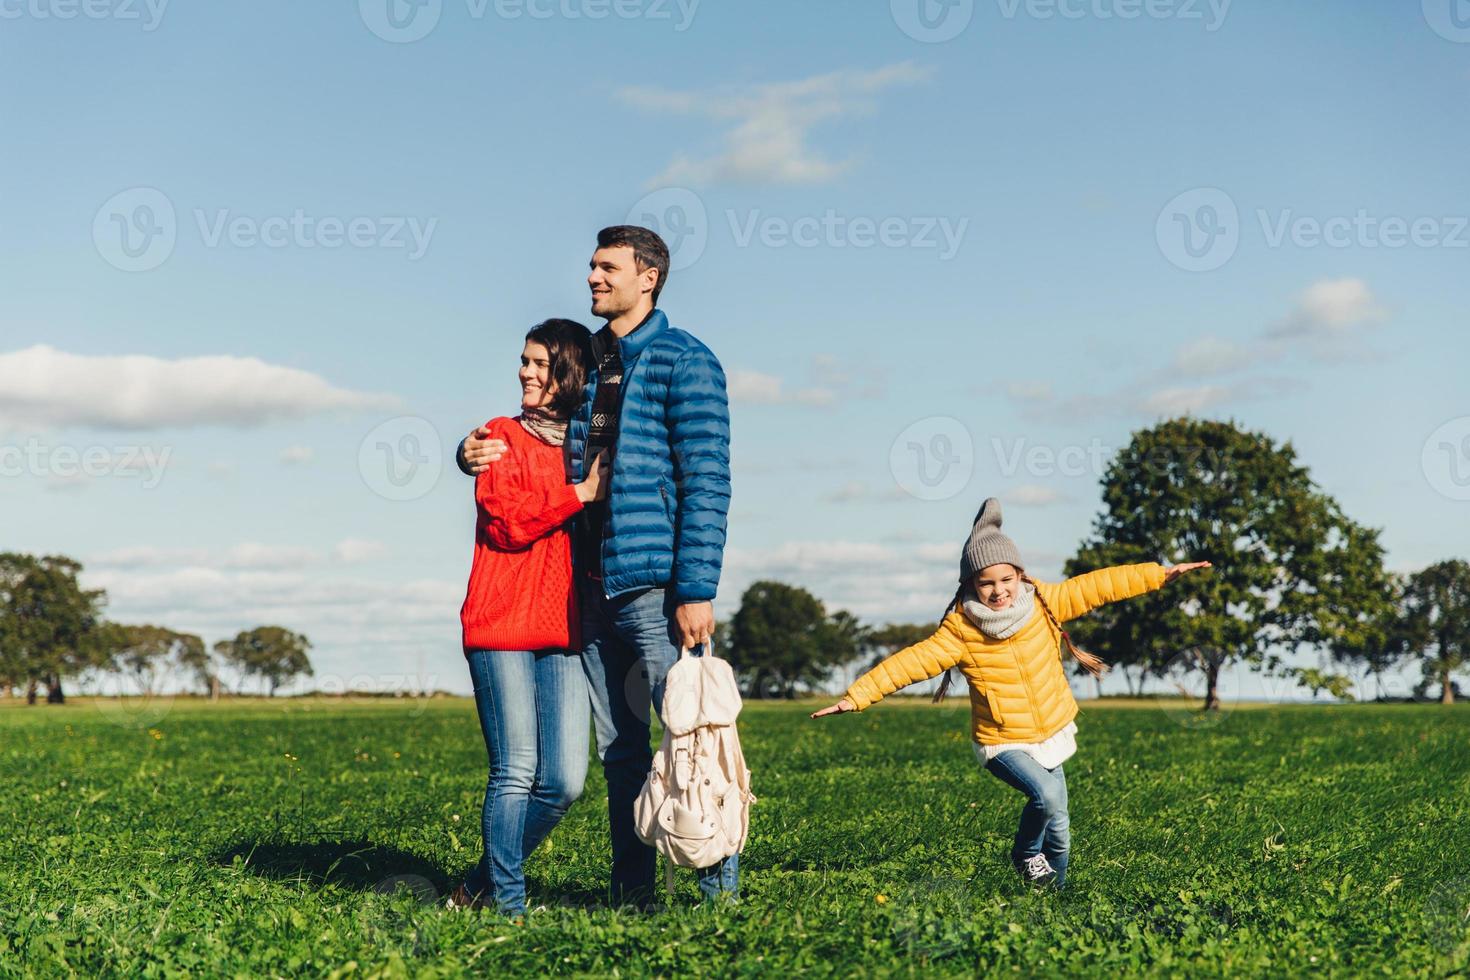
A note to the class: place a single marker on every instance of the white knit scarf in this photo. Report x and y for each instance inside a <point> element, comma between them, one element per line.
<point>998,624</point>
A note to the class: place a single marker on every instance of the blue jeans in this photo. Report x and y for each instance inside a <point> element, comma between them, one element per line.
<point>1045,827</point>
<point>534,716</point>
<point>628,645</point>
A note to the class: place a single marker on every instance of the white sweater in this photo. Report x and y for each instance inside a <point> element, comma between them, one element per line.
<point>1050,753</point>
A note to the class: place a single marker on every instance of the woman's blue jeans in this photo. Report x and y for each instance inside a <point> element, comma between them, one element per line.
<point>535,716</point>
<point>1045,827</point>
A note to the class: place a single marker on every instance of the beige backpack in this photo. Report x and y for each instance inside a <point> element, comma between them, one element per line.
<point>694,807</point>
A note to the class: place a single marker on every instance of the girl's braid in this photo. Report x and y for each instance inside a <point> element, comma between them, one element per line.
<point>1078,654</point>
<point>948,674</point>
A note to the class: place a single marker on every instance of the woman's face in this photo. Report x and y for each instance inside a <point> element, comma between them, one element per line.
<point>537,388</point>
<point>997,585</point>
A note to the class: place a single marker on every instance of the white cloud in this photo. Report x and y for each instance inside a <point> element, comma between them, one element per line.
<point>757,388</point>
<point>1030,391</point>
<point>249,556</point>
<point>1033,495</point>
<point>770,124</point>
<point>850,492</point>
<point>246,556</point>
<point>355,550</point>
<point>44,387</point>
<point>297,455</point>
<point>1207,356</point>
<point>1185,399</point>
<point>365,634</point>
<point>1330,309</point>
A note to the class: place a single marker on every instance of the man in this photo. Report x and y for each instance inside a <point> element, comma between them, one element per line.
<point>648,558</point>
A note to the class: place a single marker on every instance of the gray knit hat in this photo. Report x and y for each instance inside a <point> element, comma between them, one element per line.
<point>987,546</point>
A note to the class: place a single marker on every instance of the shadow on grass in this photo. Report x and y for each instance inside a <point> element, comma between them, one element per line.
<point>359,864</point>
<point>365,866</point>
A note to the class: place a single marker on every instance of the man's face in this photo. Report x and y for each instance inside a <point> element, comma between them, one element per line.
<point>617,285</point>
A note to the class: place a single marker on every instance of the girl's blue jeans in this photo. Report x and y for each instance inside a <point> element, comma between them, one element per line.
<point>1045,827</point>
<point>535,716</point>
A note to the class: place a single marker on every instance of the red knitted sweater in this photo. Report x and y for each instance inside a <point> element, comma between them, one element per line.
<point>521,595</point>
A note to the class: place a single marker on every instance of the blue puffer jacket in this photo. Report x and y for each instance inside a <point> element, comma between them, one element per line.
<point>670,493</point>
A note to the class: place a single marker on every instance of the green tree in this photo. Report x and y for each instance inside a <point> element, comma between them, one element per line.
<point>1313,679</point>
<point>270,652</point>
<point>1289,568</point>
<point>781,640</point>
<point>144,653</point>
<point>1435,623</point>
<point>50,627</point>
<point>888,639</point>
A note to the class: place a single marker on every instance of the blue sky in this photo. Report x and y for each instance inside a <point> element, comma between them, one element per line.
<point>974,245</point>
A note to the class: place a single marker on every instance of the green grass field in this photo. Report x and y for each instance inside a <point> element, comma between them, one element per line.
<point>267,839</point>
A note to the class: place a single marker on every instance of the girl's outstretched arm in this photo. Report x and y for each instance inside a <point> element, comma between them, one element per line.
<point>926,659</point>
<point>1083,593</point>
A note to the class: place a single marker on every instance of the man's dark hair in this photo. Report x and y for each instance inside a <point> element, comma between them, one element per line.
<point>649,250</point>
<point>569,349</point>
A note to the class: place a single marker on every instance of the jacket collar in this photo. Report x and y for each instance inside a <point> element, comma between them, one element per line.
<point>643,334</point>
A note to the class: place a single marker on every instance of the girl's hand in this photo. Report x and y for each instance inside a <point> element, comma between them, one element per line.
<point>1172,573</point>
<point>840,708</point>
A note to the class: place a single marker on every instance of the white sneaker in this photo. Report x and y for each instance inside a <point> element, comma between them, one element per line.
<point>1037,870</point>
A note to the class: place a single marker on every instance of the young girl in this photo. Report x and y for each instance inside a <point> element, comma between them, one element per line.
<point>1004,634</point>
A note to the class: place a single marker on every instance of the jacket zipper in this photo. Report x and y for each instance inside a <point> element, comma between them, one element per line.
<point>1025,682</point>
<point>607,503</point>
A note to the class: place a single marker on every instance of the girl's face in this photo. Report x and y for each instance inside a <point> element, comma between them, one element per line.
<point>537,389</point>
<point>997,585</point>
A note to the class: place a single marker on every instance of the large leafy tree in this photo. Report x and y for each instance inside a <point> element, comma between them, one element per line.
<point>270,652</point>
<point>1435,623</point>
<point>50,627</point>
<point>782,640</point>
<point>1289,567</point>
<point>145,653</point>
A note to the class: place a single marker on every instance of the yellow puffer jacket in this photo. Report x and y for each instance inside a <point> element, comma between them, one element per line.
<point>1018,692</point>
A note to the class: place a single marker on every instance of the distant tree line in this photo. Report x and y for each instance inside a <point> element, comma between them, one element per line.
<point>52,630</point>
<point>1291,573</point>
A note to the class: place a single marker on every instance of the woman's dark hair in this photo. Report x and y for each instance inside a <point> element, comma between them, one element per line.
<point>569,349</point>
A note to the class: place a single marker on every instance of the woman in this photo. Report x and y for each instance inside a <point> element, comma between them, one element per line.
<point>519,620</point>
